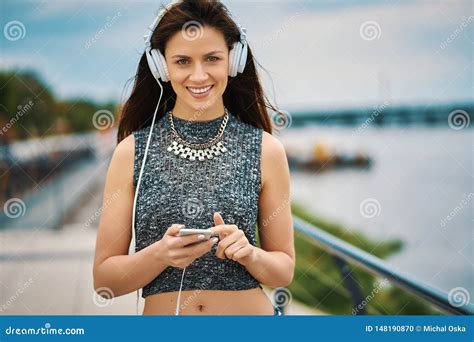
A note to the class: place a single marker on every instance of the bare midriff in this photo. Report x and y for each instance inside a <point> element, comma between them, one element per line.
<point>210,302</point>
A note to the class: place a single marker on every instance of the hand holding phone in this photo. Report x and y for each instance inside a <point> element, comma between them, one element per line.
<point>179,247</point>
<point>189,231</point>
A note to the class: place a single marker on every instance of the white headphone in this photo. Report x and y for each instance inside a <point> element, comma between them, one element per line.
<point>157,64</point>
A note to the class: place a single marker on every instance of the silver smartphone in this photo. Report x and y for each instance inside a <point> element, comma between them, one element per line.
<point>189,231</point>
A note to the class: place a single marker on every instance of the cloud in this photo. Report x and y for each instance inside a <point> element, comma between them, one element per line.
<point>321,58</point>
<point>315,54</point>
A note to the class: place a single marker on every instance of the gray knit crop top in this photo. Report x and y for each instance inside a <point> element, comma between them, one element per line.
<point>183,191</point>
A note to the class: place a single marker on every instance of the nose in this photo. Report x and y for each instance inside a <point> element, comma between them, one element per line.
<point>198,74</point>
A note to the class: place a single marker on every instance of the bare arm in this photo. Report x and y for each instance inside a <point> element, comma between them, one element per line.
<point>114,269</point>
<point>273,264</point>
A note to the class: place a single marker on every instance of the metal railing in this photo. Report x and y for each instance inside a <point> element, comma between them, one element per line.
<point>344,253</point>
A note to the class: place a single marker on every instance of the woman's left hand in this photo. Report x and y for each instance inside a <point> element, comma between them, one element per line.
<point>233,243</point>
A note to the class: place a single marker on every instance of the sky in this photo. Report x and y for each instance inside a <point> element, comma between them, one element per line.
<point>316,54</point>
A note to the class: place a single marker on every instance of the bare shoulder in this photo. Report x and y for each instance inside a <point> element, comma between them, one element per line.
<point>125,148</point>
<point>123,158</point>
<point>273,157</point>
<point>272,148</point>
<point>113,237</point>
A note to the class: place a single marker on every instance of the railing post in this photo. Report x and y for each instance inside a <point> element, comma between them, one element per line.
<point>350,253</point>
<point>351,285</point>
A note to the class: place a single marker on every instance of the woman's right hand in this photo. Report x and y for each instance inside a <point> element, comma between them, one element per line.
<point>176,251</point>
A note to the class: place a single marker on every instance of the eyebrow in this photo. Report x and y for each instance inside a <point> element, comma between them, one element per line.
<point>207,54</point>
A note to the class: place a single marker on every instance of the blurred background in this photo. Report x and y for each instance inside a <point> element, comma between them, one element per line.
<point>378,102</point>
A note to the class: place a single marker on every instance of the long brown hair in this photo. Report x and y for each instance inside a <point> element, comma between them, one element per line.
<point>243,96</point>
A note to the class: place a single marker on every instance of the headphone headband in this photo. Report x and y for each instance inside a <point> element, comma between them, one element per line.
<point>157,62</point>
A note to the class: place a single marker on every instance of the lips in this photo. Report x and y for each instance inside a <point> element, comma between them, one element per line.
<point>200,92</point>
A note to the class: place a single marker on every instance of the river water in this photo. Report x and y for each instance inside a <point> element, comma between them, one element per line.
<point>419,189</point>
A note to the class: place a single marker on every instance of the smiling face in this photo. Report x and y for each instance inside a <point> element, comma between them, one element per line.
<point>198,70</point>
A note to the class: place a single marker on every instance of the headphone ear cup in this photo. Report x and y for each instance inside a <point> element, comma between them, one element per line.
<point>160,64</point>
<point>231,60</point>
<point>152,64</point>
<point>242,61</point>
<point>234,57</point>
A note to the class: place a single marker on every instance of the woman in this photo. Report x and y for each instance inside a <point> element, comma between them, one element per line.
<point>209,162</point>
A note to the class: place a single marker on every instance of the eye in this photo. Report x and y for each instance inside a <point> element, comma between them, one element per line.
<point>213,58</point>
<point>182,61</point>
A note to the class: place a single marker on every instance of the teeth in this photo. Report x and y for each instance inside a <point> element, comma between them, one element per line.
<point>199,90</point>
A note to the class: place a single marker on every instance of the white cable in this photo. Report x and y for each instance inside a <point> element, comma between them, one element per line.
<point>132,244</point>
<point>179,293</point>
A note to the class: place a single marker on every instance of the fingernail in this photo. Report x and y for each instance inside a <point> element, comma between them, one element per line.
<point>201,236</point>
<point>214,240</point>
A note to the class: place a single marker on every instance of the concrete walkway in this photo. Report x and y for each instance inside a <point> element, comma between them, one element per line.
<point>48,272</point>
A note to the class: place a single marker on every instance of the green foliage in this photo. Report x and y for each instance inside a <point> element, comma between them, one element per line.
<point>318,282</point>
<point>29,109</point>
